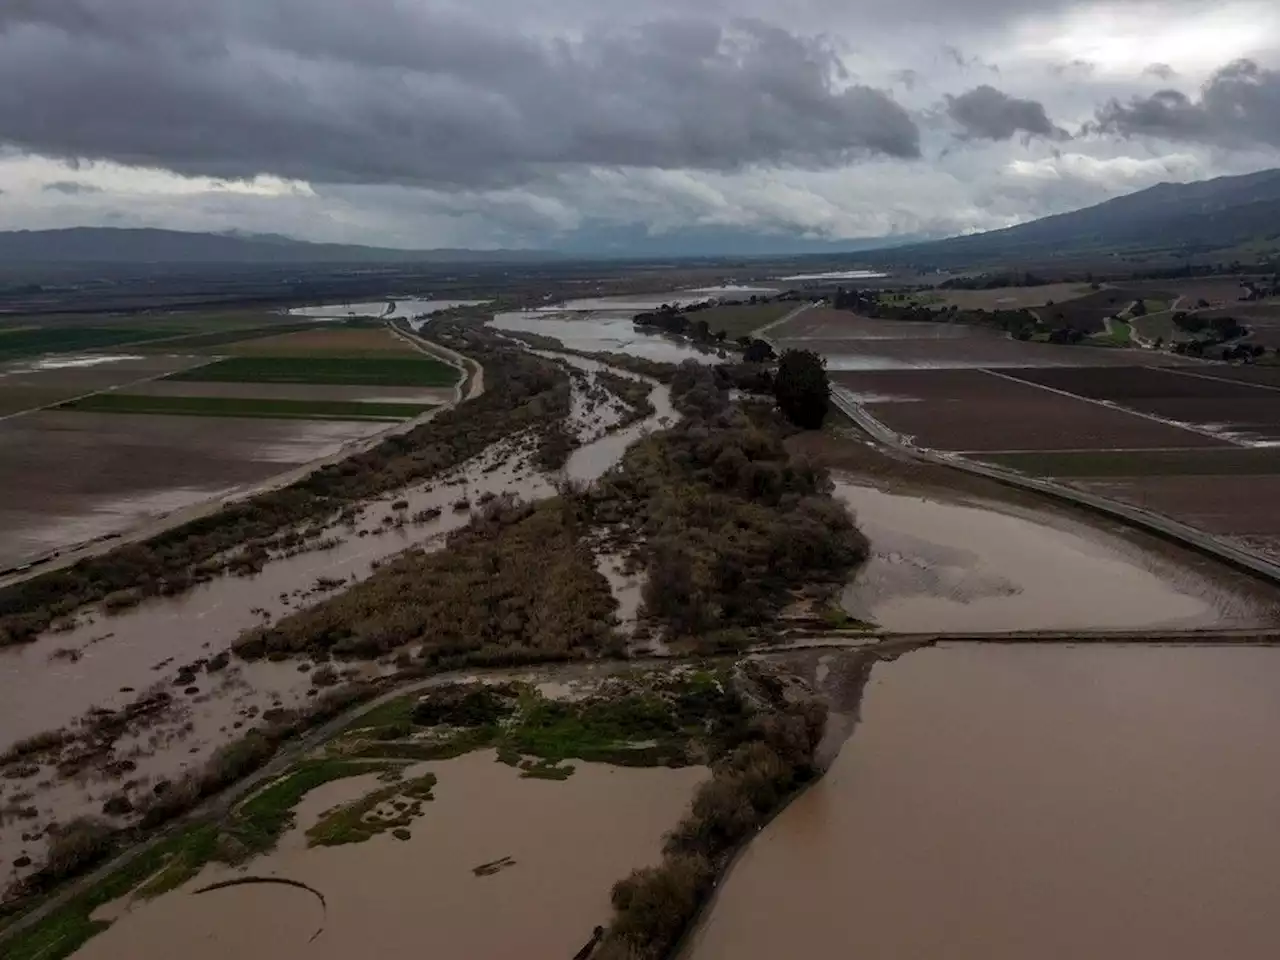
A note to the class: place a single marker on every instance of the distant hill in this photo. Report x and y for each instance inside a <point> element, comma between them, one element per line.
<point>1183,219</point>
<point>137,246</point>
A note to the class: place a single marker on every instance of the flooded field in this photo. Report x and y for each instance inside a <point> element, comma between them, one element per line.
<point>471,880</point>
<point>611,332</point>
<point>70,476</point>
<point>637,302</point>
<point>1029,802</point>
<point>938,565</point>
<point>107,661</point>
<point>392,307</point>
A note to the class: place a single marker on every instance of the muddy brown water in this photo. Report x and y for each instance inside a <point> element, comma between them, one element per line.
<point>945,566</point>
<point>114,659</point>
<point>570,841</point>
<point>1000,804</point>
<point>605,331</point>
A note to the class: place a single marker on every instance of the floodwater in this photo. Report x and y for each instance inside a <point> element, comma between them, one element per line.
<point>837,275</point>
<point>945,566</point>
<point>602,331</point>
<point>391,307</point>
<point>107,661</point>
<point>569,842</point>
<point>651,301</point>
<point>1017,802</point>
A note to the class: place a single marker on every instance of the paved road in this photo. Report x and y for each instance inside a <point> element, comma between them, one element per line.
<point>1158,524</point>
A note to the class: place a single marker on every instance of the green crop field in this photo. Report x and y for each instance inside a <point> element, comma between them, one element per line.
<point>246,407</point>
<point>23,342</point>
<point>740,319</point>
<point>415,371</point>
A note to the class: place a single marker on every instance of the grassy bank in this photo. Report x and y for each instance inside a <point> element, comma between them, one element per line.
<point>416,371</point>
<point>245,407</point>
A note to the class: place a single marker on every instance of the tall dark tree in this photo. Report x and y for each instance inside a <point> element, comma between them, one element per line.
<point>801,388</point>
<point>757,351</point>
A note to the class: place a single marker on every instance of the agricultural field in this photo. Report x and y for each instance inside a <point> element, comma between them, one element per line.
<point>395,371</point>
<point>29,385</point>
<point>278,409</point>
<point>998,298</point>
<point>1089,313</point>
<point>742,319</point>
<point>326,341</point>
<point>1216,291</point>
<point>72,476</point>
<point>853,342</point>
<point>211,403</point>
<point>975,410</point>
<point>1196,396</point>
<point>28,337</point>
<point>1197,443</point>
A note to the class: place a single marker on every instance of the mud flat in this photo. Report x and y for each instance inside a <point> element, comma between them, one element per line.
<point>554,849</point>
<point>947,565</point>
<point>71,476</point>
<point>1029,802</point>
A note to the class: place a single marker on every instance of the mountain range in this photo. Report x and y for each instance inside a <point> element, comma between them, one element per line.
<point>1183,220</point>
<point>1198,219</point>
<point>115,245</point>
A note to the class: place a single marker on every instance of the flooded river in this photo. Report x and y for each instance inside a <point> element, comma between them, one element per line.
<point>942,565</point>
<point>567,843</point>
<point>1007,803</point>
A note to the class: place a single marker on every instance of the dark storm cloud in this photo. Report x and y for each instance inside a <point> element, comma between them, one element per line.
<point>989,114</point>
<point>384,92</point>
<point>1239,105</point>
<point>70,188</point>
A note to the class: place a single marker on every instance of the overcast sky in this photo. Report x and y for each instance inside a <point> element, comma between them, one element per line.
<point>489,123</point>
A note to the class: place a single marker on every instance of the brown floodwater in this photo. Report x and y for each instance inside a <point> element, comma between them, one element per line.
<point>108,661</point>
<point>1007,803</point>
<point>570,841</point>
<point>943,565</point>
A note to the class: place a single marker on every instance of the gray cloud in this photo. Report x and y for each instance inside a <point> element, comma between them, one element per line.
<point>70,188</point>
<point>1161,70</point>
<point>990,114</point>
<point>393,93</point>
<point>1239,105</point>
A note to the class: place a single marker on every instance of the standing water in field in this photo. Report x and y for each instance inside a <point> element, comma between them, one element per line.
<point>1005,803</point>
<point>944,566</point>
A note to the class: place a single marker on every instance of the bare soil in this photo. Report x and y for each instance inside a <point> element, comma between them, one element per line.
<point>337,341</point>
<point>295,391</point>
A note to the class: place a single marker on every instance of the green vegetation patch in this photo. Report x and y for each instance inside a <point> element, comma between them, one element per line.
<point>16,344</point>
<point>67,928</point>
<point>276,409</point>
<point>373,813</point>
<point>1141,463</point>
<point>742,319</point>
<point>407,371</point>
<point>657,720</point>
